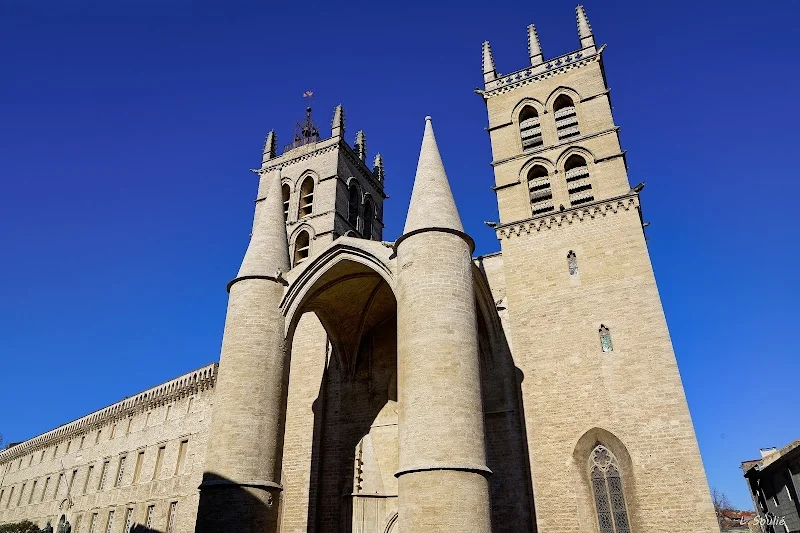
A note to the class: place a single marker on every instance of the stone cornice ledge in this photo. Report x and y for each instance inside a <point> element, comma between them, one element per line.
<point>568,216</point>
<point>185,385</point>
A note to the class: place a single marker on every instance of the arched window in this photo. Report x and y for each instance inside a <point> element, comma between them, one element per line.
<point>285,193</point>
<point>572,263</point>
<point>529,128</point>
<point>306,197</point>
<point>302,246</point>
<point>578,184</point>
<point>566,118</point>
<point>539,188</point>
<point>605,339</point>
<point>353,202</point>
<point>369,216</point>
<point>609,499</point>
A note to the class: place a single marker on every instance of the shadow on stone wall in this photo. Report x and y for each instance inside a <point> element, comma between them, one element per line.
<point>227,506</point>
<point>141,529</point>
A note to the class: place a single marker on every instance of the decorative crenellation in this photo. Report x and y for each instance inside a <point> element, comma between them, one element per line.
<point>180,387</point>
<point>568,216</point>
<point>545,70</point>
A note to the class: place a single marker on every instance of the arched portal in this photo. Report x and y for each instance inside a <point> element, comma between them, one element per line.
<point>342,429</point>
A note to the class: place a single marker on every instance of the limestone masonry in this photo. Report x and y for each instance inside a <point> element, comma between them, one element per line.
<point>375,387</point>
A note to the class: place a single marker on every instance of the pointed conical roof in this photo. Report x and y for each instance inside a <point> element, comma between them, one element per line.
<point>268,250</point>
<point>432,204</point>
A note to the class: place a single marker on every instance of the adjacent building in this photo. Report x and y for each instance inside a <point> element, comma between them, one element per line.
<point>773,482</point>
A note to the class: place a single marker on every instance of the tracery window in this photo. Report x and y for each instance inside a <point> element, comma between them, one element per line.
<point>605,339</point>
<point>609,498</point>
<point>572,263</point>
<point>566,118</point>
<point>530,128</point>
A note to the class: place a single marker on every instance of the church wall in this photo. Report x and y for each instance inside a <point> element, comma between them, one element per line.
<point>570,385</point>
<point>176,412</point>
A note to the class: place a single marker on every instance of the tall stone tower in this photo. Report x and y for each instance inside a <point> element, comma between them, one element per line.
<point>600,384</point>
<point>328,187</point>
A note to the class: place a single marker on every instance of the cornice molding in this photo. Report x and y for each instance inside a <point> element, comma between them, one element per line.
<point>568,216</point>
<point>190,383</point>
<point>546,70</point>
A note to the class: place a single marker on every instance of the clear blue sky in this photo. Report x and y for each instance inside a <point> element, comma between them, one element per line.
<point>128,129</point>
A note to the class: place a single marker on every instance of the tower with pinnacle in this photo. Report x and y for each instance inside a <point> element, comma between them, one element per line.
<point>611,442</point>
<point>329,187</point>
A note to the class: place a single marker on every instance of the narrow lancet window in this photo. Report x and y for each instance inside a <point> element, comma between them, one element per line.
<point>353,202</point>
<point>609,498</point>
<point>605,339</point>
<point>306,197</point>
<point>572,263</point>
<point>301,247</point>
<point>530,128</point>
<point>285,193</point>
<point>566,118</point>
<point>369,215</point>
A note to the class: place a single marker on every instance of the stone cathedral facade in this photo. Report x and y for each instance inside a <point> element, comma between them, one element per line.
<point>373,387</point>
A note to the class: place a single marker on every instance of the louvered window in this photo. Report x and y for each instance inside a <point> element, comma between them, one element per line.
<point>566,118</point>
<point>285,193</point>
<point>369,216</point>
<point>301,247</point>
<point>539,189</point>
<point>609,498</point>
<point>530,128</point>
<point>353,203</point>
<point>578,184</point>
<point>306,197</point>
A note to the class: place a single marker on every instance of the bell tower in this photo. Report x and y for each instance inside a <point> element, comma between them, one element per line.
<point>600,384</point>
<point>329,188</point>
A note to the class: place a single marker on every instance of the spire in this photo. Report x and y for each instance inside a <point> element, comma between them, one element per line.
<point>534,47</point>
<point>489,72</point>
<point>337,128</point>
<point>269,147</point>
<point>361,145</point>
<point>268,250</point>
<point>377,168</point>
<point>584,28</point>
<point>432,204</point>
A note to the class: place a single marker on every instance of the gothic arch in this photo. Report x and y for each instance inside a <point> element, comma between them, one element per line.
<point>587,513</point>
<point>579,150</point>
<point>558,91</point>
<point>534,103</point>
<point>546,163</point>
<point>303,175</point>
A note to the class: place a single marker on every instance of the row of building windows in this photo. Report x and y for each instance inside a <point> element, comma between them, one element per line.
<point>103,478</point>
<point>579,187</point>
<point>111,432</point>
<point>96,524</point>
<point>566,121</point>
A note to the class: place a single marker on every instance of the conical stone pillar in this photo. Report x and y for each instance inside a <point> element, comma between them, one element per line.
<point>443,479</point>
<point>241,483</point>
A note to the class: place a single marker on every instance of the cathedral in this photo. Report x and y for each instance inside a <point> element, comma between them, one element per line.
<point>367,386</point>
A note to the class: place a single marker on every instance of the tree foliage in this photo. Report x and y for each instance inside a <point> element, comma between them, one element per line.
<point>20,527</point>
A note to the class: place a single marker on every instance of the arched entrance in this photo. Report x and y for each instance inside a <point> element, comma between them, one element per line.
<point>342,420</point>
